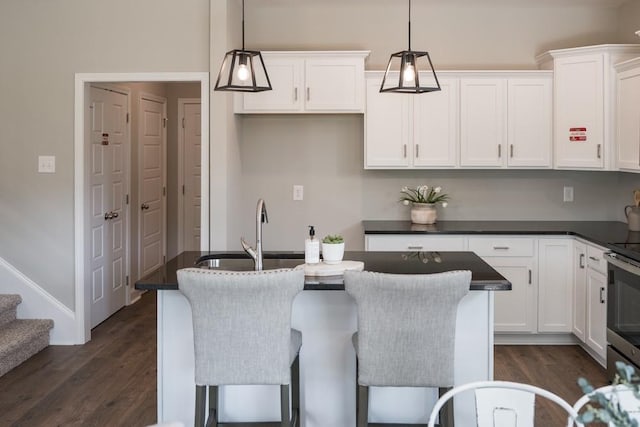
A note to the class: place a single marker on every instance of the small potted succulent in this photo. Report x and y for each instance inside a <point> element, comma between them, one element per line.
<point>332,249</point>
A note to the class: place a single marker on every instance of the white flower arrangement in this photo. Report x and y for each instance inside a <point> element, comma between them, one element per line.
<point>423,194</point>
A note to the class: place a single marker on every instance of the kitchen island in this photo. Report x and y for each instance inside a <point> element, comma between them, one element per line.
<point>326,315</point>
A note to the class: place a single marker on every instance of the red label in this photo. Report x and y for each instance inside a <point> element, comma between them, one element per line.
<point>578,134</point>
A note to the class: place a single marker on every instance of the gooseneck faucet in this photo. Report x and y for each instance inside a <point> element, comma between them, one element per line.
<point>256,254</point>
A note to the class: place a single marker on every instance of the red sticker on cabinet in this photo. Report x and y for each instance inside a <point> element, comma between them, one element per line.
<point>577,134</point>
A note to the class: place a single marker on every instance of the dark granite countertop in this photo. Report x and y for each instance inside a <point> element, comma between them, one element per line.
<point>484,277</point>
<point>610,234</point>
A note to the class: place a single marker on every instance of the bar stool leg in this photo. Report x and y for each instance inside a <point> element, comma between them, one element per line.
<point>446,413</point>
<point>362,415</point>
<point>284,406</point>
<point>201,394</point>
<point>295,391</point>
<point>213,406</point>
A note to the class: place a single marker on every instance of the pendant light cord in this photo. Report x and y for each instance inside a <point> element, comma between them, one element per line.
<point>409,24</point>
<point>242,24</point>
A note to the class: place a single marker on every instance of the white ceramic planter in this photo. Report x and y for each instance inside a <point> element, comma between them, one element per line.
<point>423,213</point>
<point>332,253</point>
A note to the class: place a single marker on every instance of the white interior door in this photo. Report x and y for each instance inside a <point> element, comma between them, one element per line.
<point>108,183</point>
<point>189,111</point>
<point>151,181</point>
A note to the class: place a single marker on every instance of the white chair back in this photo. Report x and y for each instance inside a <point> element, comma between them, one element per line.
<point>503,403</point>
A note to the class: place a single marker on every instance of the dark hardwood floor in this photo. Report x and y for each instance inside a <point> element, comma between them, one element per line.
<point>111,381</point>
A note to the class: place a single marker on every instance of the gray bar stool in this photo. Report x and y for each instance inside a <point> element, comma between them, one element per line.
<point>242,335</point>
<point>406,332</point>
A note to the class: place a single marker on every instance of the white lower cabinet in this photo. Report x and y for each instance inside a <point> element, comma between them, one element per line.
<point>555,285</point>
<point>596,333</point>
<point>413,242</point>
<point>579,290</point>
<point>515,311</point>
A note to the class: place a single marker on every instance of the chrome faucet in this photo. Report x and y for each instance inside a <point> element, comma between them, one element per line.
<point>256,254</point>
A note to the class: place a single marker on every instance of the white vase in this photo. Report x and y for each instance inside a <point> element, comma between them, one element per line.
<point>332,253</point>
<point>423,213</point>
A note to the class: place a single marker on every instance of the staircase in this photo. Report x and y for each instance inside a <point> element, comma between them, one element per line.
<point>19,338</point>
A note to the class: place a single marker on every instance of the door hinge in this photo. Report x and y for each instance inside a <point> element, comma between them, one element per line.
<point>126,199</point>
<point>128,117</point>
<point>164,122</point>
<point>127,281</point>
<point>183,123</point>
<point>164,191</point>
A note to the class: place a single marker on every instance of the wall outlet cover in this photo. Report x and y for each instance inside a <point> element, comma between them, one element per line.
<point>568,194</point>
<point>46,164</point>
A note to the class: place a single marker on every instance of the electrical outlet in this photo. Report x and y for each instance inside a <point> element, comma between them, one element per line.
<point>298,192</point>
<point>46,164</point>
<point>568,194</point>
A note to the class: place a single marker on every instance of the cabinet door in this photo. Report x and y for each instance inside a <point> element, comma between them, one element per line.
<point>435,126</point>
<point>579,290</point>
<point>597,312</point>
<point>579,112</point>
<point>555,290</point>
<point>334,84</point>
<point>482,122</point>
<point>529,118</point>
<point>285,75</point>
<point>628,120</point>
<point>386,128</point>
<point>414,243</point>
<point>515,310</point>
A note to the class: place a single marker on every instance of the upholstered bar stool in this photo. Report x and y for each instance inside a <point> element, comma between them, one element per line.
<point>406,332</point>
<point>242,335</point>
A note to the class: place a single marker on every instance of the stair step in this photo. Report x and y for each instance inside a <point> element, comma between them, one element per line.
<point>8,304</point>
<point>21,339</point>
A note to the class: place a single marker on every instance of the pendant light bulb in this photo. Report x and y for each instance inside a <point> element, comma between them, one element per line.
<point>243,72</point>
<point>409,73</point>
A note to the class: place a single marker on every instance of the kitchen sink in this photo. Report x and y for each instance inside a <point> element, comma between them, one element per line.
<point>242,262</point>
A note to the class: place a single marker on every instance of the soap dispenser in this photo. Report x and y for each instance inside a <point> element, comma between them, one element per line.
<point>312,248</point>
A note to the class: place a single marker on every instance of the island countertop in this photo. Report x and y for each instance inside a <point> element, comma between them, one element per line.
<point>483,276</point>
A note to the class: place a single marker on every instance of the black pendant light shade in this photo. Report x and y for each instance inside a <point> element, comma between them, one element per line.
<point>243,70</point>
<point>410,71</point>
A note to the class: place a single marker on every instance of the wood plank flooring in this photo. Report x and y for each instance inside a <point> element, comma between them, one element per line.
<point>111,381</point>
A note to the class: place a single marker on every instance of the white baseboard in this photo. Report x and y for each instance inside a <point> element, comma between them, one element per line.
<point>39,304</point>
<point>534,339</point>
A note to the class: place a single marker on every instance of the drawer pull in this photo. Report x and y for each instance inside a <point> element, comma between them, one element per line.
<point>602,295</point>
<point>529,276</point>
<point>414,248</point>
<point>501,248</point>
<point>592,258</point>
<point>581,260</point>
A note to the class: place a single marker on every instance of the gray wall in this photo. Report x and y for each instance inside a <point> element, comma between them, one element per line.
<point>325,154</point>
<point>629,21</point>
<point>43,45</point>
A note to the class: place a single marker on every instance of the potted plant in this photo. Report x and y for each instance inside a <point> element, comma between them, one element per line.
<point>332,249</point>
<point>423,200</point>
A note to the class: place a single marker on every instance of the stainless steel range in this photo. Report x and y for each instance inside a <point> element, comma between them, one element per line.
<point>623,306</point>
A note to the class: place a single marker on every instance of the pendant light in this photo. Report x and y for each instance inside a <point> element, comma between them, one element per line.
<point>407,65</point>
<point>243,70</point>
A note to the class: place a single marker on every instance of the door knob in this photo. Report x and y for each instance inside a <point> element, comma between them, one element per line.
<point>108,215</point>
<point>114,215</point>
<point>144,206</point>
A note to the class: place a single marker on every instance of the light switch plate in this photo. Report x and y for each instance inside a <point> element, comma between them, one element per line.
<point>298,192</point>
<point>46,164</point>
<point>568,194</point>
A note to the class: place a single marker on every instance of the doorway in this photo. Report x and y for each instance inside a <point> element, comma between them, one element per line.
<point>82,192</point>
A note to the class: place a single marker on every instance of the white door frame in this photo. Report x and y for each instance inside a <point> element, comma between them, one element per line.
<point>81,187</point>
<point>181,103</point>
<point>160,100</point>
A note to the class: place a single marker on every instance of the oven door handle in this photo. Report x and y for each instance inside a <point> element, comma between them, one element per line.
<point>626,266</point>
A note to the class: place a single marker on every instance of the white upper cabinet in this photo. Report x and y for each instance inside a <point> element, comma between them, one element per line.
<point>309,82</point>
<point>529,122</point>
<point>482,121</point>
<point>506,120</point>
<point>409,131</point>
<point>628,116</point>
<point>584,104</point>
